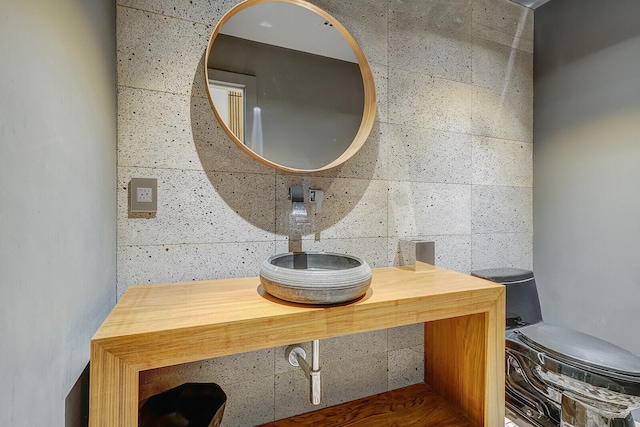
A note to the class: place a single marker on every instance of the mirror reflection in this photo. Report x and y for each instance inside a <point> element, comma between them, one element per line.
<point>288,86</point>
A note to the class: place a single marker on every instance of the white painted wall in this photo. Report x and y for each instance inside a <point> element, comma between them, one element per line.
<point>586,156</point>
<point>57,199</point>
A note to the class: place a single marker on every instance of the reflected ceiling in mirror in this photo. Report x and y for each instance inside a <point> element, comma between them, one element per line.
<point>290,85</point>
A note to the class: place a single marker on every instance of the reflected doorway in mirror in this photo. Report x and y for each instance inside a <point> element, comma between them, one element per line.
<point>234,95</point>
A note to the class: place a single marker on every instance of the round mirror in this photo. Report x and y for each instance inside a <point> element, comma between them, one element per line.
<point>290,85</point>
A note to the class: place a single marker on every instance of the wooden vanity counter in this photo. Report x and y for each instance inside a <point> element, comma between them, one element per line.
<point>160,325</point>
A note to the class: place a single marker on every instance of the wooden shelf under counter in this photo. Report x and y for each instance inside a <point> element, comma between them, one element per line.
<point>413,406</point>
<point>154,326</point>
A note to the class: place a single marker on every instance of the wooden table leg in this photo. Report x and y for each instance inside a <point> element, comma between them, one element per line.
<point>113,386</point>
<point>464,362</point>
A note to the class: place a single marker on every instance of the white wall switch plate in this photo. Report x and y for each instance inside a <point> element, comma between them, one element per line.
<point>143,195</point>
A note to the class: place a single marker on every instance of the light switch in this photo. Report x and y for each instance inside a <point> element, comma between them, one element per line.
<point>143,195</point>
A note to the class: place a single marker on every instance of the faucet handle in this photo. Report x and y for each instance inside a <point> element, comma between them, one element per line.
<point>316,196</point>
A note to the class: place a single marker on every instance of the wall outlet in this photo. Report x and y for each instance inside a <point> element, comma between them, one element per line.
<point>143,195</point>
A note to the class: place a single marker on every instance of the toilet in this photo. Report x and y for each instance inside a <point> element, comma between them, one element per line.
<point>557,376</point>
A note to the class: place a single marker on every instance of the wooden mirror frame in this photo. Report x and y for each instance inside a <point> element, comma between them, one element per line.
<point>369,110</point>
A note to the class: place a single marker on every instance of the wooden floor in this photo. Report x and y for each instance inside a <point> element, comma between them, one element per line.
<point>414,406</point>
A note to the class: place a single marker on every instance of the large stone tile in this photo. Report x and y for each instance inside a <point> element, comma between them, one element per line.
<point>165,130</point>
<point>403,337</point>
<point>202,11</point>
<point>247,380</point>
<point>406,367</point>
<point>434,42</point>
<point>364,345</point>
<point>505,22</point>
<point>237,368</point>
<point>185,263</point>
<point>249,403</point>
<point>503,250</point>
<point>195,207</point>
<point>452,251</point>
<point>339,349</point>
<point>419,209</point>
<point>342,361</point>
<point>160,53</point>
<point>292,395</point>
<point>500,209</point>
<point>351,208</point>
<point>381,81</point>
<point>154,130</point>
<point>344,381</point>
<point>502,68</point>
<point>373,250</point>
<point>354,378</point>
<point>502,162</point>
<point>420,100</point>
<point>419,154</point>
<point>369,162</point>
<point>282,364</point>
<point>366,20</point>
<point>216,151</point>
<point>503,115</point>
<point>451,15</point>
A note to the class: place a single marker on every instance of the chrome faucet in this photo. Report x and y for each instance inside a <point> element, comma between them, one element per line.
<point>299,210</point>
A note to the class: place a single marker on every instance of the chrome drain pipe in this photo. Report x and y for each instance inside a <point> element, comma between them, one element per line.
<point>296,356</point>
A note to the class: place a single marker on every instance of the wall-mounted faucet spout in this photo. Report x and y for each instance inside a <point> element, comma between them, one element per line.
<point>299,210</point>
<point>297,357</point>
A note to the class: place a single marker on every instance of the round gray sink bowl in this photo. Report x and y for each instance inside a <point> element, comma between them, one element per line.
<point>315,277</point>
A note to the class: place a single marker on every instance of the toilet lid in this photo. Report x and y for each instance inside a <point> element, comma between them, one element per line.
<point>504,275</point>
<point>563,343</point>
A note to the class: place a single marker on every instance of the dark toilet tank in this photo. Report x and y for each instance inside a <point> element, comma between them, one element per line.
<point>523,304</point>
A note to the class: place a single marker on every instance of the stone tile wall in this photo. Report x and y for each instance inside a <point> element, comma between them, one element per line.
<point>449,160</point>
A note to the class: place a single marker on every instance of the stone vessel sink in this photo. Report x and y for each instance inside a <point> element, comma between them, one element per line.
<point>315,277</point>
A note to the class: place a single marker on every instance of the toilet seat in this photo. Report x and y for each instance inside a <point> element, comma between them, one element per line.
<point>576,348</point>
